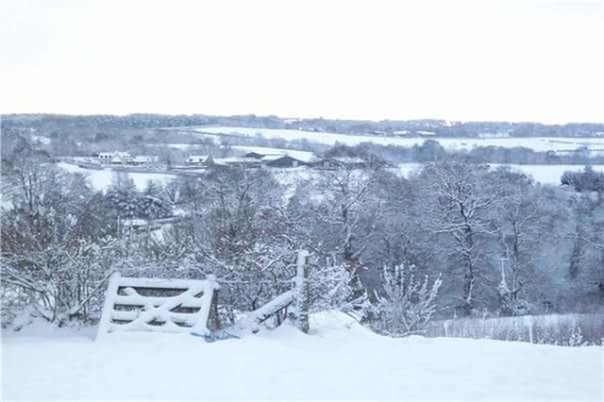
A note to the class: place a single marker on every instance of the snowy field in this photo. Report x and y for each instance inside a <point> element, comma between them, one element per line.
<point>549,174</point>
<point>102,179</point>
<point>535,143</point>
<point>339,360</point>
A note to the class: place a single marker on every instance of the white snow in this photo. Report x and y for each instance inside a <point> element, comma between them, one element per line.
<point>405,169</point>
<point>42,139</point>
<point>182,147</point>
<point>338,360</point>
<point>101,179</point>
<point>535,143</point>
<point>494,135</point>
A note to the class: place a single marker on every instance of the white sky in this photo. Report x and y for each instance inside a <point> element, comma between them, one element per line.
<point>539,60</point>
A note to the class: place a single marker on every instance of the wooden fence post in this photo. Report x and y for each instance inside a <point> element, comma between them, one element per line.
<point>302,299</point>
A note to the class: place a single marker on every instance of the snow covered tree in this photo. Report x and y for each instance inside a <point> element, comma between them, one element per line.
<point>522,217</point>
<point>238,234</point>
<point>341,222</point>
<point>122,196</point>
<point>458,204</point>
<point>151,207</point>
<point>586,262</point>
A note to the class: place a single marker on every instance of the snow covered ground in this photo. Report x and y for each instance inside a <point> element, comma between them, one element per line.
<point>338,360</point>
<point>101,179</point>
<point>535,143</point>
<point>182,147</point>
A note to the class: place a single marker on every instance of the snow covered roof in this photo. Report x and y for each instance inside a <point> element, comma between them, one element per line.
<point>234,160</point>
<point>115,154</point>
<point>303,156</point>
<point>145,158</point>
<point>133,222</point>
<point>348,159</point>
<point>268,158</point>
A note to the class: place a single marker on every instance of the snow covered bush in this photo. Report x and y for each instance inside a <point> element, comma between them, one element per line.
<point>406,303</point>
<point>56,244</point>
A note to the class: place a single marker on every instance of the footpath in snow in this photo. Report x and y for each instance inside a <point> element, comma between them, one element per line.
<point>338,360</point>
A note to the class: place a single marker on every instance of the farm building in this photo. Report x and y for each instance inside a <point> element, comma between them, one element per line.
<point>281,158</point>
<point>125,158</point>
<point>282,161</point>
<point>256,155</point>
<point>142,160</point>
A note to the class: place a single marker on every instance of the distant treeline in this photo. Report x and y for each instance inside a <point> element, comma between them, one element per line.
<point>75,137</point>
<point>432,151</point>
<point>48,122</point>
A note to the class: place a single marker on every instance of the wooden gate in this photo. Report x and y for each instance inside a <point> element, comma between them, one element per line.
<point>161,305</point>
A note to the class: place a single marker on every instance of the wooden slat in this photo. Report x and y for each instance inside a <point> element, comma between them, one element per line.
<point>157,283</point>
<point>133,315</point>
<point>157,301</point>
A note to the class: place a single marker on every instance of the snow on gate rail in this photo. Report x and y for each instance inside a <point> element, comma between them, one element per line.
<point>162,305</point>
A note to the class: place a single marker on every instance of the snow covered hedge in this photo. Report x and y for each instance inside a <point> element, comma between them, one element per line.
<point>566,329</point>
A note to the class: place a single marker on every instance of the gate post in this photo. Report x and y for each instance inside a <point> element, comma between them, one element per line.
<point>302,299</point>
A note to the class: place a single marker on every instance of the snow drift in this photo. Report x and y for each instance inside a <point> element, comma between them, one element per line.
<point>339,359</point>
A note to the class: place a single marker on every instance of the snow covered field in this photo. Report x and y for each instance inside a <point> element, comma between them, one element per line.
<point>535,143</point>
<point>549,174</point>
<point>102,179</point>
<point>339,360</point>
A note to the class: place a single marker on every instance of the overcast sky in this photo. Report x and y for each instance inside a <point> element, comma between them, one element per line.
<point>519,60</point>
